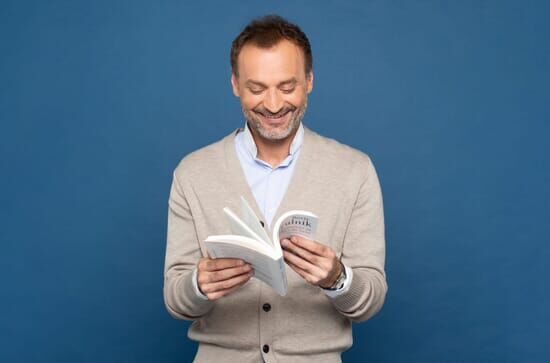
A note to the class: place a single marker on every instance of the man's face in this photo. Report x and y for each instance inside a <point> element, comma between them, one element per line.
<point>273,88</point>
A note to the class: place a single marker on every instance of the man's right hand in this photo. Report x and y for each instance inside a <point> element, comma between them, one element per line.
<point>218,277</point>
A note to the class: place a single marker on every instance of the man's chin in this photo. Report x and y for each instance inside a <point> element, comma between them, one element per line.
<point>274,132</point>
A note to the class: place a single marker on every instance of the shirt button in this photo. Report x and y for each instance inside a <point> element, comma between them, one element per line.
<point>262,223</point>
<point>266,307</point>
<point>265,348</point>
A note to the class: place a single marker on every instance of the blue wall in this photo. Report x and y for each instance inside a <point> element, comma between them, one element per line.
<point>99,100</point>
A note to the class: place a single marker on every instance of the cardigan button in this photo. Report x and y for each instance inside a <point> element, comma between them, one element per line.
<point>262,223</point>
<point>265,348</point>
<point>266,307</point>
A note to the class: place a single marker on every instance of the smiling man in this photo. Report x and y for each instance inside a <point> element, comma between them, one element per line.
<point>272,82</point>
<point>277,164</point>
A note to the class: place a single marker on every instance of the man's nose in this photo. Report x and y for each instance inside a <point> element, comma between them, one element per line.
<point>273,101</point>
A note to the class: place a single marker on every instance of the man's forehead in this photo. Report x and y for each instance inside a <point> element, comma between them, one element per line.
<point>284,58</point>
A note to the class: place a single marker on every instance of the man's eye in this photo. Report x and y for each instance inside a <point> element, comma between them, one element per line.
<point>288,90</point>
<point>256,91</point>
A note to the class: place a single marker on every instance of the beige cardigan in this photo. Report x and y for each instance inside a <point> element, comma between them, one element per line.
<point>337,183</point>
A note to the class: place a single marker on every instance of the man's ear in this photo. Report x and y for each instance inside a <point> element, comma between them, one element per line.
<point>235,85</point>
<point>309,80</point>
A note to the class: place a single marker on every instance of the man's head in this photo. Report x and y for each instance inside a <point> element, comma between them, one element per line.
<point>271,65</point>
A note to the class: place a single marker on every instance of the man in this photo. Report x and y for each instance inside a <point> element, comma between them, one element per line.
<point>277,164</point>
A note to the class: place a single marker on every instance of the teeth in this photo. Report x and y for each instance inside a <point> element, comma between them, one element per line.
<point>274,117</point>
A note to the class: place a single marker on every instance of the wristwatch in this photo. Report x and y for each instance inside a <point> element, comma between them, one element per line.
<point>339,281</point>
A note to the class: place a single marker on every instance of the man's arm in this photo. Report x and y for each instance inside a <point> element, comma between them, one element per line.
<point>182,255</point>
<point>363,252</point>
<point>193,282</point>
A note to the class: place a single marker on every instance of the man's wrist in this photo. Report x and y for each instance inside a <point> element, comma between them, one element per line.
<point>338,281</point>
<point>344,287</point>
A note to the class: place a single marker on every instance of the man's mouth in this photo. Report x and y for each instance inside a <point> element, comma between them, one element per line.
<point>275,119</point>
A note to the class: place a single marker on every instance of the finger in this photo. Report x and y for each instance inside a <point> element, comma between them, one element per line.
<point>299,251</point>
<point>303,264</point>
<point>225,284</point>
<point>205,277</point>
<point>210,264</point>
<point>216,295</point>
<point>312,246</point>
<point>304,274</point>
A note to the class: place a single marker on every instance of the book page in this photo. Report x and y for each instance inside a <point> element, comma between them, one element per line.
<point>296,223</point>
<point>267,269</point>
<point>240,228</point>
<point>252,220</point>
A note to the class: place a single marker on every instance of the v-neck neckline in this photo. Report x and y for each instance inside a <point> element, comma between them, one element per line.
<point>239,184</point>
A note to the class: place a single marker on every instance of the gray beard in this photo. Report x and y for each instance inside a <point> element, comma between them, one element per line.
<point>255,123</point>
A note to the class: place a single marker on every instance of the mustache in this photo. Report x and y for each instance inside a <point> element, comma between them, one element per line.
<point>263,111</point>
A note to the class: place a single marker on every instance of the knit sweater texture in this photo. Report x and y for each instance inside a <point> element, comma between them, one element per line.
<point>337,183</point>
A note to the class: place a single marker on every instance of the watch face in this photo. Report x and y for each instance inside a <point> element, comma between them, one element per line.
<point>340,281</point>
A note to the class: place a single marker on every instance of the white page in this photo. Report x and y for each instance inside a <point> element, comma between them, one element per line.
<point>241,242</point>
<point>295,223</point>
<point>266,268</point>
<point>238,227</point>
<point>251,219</point>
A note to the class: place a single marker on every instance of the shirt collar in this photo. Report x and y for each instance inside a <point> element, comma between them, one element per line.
<point>252,150</point>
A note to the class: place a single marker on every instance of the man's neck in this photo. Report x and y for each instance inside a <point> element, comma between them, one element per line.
<point>272,152</point>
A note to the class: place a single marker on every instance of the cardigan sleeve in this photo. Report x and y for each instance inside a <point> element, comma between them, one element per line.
<point>364,252</point>
<point>182,255</point>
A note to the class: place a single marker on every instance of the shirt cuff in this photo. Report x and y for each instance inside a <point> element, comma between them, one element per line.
<point>196,285</point>
<point>345,286</point>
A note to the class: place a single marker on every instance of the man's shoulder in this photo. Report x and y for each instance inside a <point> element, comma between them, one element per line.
<point>337,153</point>
<point>340,164</point>
<point>203,159</point>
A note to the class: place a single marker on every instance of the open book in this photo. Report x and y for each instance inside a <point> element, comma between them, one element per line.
<point>251,243</point>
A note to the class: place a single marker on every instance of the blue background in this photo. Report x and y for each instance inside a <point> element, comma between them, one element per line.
<point>99,100</point>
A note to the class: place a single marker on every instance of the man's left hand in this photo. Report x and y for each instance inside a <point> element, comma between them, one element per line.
<point>315,262</point>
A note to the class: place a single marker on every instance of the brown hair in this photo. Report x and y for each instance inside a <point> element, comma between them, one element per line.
<point>267,31</point>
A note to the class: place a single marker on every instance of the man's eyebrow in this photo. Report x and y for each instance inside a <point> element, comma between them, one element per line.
<point>290,81</point>
<point>255,83</point>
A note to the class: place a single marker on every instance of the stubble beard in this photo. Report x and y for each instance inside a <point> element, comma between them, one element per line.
<point>276,133</point>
